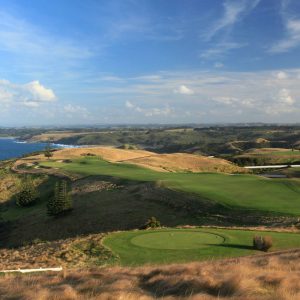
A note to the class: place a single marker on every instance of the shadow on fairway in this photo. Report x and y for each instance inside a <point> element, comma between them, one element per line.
<point>236,246</point>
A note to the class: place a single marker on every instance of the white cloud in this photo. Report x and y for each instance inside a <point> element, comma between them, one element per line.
<point>5,95</point>
<point>292,27</point>
<point>220,49</point>
<point>150,112</point>
<point>234,11</point>
<point>39,92</point>
<point>128,104</point>
<point>232,96</point>
<point>284,97</point>
<point>282,75</point>
<point>184,90</point>
<point>70,108</point>
<point>31,104</point>
<point>218,65</point>
<point>31,94</point>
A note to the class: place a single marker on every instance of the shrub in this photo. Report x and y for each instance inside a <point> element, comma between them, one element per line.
<point>268,243</point>
<point>262,243</point>
<point>129,147</point>
<point>28,194</point>
<point>152,223</point>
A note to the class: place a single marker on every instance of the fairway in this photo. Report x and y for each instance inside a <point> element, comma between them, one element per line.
<point>185,245</point>
<point>177,240</point>
<point>235,191</point>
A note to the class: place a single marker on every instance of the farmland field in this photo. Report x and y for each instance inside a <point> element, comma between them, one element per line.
<point>184,245</point>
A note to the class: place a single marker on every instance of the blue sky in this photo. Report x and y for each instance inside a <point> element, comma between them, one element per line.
<point>149,61</point>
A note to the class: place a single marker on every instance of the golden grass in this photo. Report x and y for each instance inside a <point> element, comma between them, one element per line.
<point>178,162</point>
<point>8,186</point>
<point>107,153</point>
<point>267,277</point>
<point>54,136</point>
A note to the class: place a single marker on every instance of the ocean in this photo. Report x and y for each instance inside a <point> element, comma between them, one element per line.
<point>11,148</point>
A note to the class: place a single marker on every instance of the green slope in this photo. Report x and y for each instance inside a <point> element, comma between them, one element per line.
<point>281,196</point>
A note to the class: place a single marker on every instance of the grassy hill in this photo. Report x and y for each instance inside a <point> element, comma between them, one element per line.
<point>236,191</point>
<point>176,162</point>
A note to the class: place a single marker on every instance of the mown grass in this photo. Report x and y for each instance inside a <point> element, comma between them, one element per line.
<point>236,243</point>
<point>280,196</point>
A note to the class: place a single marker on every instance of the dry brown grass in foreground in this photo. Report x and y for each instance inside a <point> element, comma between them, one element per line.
<point>267,277</point>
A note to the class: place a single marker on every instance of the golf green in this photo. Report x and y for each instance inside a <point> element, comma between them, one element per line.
<point>177,240</point>
<point>162,246</point>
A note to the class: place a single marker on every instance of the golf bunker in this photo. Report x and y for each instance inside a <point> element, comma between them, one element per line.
<point>177,240</point>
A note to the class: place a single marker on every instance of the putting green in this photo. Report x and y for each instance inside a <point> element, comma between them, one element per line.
<point>177,240</point>
<point>170,245</point>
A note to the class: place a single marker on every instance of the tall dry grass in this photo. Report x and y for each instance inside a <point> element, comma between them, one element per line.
<point>268,277</point>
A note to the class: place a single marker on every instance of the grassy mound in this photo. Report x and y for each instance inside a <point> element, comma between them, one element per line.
<point>107,153</point>
<point>159,246</point>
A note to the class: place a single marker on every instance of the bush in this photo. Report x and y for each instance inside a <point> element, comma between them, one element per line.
<point>152,223</point>
<point>129,147</point>
<point>262,243</point>
<point>28,194</point>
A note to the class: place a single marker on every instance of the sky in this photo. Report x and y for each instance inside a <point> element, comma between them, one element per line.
<point>149,61</point>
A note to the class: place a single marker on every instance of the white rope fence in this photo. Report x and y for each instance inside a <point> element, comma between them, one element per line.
<point>58,269</point>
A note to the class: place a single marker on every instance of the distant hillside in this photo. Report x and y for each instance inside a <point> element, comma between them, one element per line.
<point>265,156</point>
<point>211,140</point>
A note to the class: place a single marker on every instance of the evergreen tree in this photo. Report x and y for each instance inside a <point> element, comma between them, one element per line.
<point>62,201</point>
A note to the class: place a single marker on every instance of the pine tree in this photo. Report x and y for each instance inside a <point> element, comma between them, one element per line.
<point>62,201</point>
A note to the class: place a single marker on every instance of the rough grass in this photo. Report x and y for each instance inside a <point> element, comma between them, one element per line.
<point>107,153</point>
<point>84,251</point>
<point>267,277</point>
<point>182,162</point>
<point>135,248</point>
